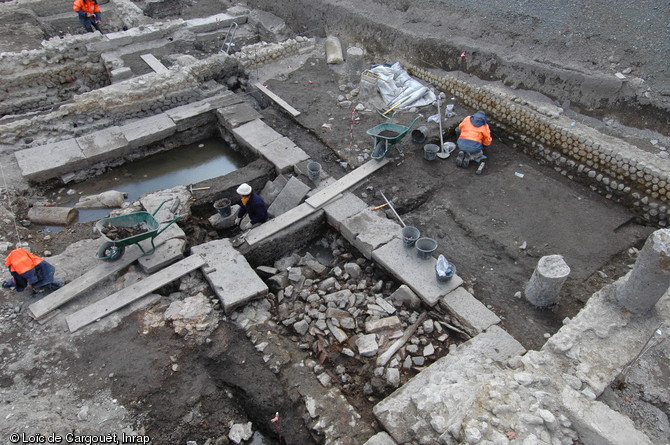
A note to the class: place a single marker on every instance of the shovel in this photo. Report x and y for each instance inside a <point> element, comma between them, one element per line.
<point>443,153</point>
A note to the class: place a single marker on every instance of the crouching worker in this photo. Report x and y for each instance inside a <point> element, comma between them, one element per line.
<point>473,135</point>
<point>29,270</point>
<point>89,14</point>
<point>252,205</point>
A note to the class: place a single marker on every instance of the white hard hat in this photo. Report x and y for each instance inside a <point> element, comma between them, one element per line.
<point>244,189</point>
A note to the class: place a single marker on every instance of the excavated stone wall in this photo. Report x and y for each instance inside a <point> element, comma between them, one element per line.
<point>617,169</point>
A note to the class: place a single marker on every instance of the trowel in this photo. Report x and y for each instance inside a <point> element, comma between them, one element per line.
<point>444,152</point>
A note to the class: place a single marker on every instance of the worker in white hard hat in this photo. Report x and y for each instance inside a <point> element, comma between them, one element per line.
<point>252,205</point>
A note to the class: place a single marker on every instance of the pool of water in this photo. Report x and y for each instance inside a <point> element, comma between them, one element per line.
<point>186,165</point>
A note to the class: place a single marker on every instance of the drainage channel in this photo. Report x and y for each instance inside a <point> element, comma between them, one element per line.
<point>189,164</point>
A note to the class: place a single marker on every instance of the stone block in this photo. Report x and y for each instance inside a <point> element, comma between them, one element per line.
<point>148,130</point>
<point>120,74</point>
<point>382,438</point>
<point>229,274</point>
<point>419,274</point>
<point>214,22</point>
<point>167,253</point>
<point>255,134</point>
<point>232,116</point>
<point>198,113</point>
<point>154,63</point>
<point>383,324</point>
<point>367,345</point>
<point>272,189</point>
<point>51,160</point>
<point>103,145</point>
<point>598,424</point>
<point>470,313</point>
<point>367,231</point>
<point>283,154</point>
<point>224,222</point>
<point>342,208</point>
<point>404,296</point>
<point>290,197</point>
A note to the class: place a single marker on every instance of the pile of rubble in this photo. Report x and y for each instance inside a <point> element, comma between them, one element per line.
<point>342,305</point>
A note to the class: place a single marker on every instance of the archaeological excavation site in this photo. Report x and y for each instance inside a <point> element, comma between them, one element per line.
<point>265,222</point>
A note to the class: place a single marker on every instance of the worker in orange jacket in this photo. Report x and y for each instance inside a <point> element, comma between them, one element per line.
<point>473,135</point>
<point>89,14</point>
<point>28,269</point>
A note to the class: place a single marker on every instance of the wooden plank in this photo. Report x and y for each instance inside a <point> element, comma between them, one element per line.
<point>278,100</point>
<point>125,296</point>
<point>76,287</point>
<point>345,182</point>
<point>280,222</point>
<point>154,63</point>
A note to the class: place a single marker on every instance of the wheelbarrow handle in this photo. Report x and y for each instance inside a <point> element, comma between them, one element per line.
<point>167,225</point>
<point>159,207</point>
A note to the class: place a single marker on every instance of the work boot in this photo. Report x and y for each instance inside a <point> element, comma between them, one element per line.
<point>459,158</point>
<point>466,160</point>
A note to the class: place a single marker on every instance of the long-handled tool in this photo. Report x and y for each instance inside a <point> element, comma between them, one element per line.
<point>393,209</point>
<point>443,153</point>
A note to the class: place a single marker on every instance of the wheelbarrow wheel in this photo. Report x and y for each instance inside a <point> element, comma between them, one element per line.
<point>110,251</point>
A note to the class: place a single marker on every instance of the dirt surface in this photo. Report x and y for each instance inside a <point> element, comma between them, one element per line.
<point>128,375</point>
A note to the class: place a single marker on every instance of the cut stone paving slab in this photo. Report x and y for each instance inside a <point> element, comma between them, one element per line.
<point>342,208</point>
<point>283,154</point>
<point>368,230</point>
<point>198,113</point>
<point>419,274</point>
<point>51,160</point>
<point>447,388</point>
<point>278,100</point>
<point>255,134</point>
<point>229,274</point>
<point>289,197</point>
<point>470,313</point>
<point>103,145</point>
<point>154,63</point>
<point>171,251</point>
<point>146,131</point>
<point>235,115</point>
<point>214,22</point>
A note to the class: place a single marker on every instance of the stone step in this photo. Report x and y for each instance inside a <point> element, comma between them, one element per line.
<point>229,274</point>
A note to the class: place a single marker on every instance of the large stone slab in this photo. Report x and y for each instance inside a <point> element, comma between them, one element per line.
<point>171,251</point>
<point>51,160</point>
<point>470,313</point>
<point>283,154</point>
<point>279,223</point>
<point>232,116</point>
<point>446,389</point>
<point>367,231</point>
<point>255,134</point>
<point>199,113</point>
<point>289,197</point>
<point>154,63</point>
<point>148,130</point>
<point>419,274</point>
<point>338,210</point>
<point>598,424</point>
<point>103,145</point>
<point>229,274</point>
<point>382,438</point>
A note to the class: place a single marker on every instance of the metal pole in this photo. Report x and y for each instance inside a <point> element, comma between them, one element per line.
<point>394,212</point>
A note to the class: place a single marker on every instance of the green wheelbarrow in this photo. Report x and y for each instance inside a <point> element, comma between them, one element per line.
<point>138,226</point>
<point>386,136</point>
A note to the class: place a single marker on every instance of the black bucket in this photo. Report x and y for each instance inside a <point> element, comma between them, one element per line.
<point>223,207</point>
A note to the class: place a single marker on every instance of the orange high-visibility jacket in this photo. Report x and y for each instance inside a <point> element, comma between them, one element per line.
<point>480,134</point>
<point>88,6</point>
<point>21,261</point>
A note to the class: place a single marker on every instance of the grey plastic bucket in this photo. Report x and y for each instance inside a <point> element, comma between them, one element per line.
<point>409,235</point>
<point>313,170</point>
<point>430,151</point>
<point>419,135</point>
<point>223,207</point>
<point>425,247</point>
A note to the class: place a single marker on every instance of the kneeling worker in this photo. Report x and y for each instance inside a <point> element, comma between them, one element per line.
<point>28,269</point>
<point>474,135</point>
<point>252,205</point>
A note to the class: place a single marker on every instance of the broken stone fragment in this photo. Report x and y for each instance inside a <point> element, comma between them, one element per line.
<point>367,345</point>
